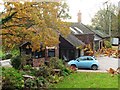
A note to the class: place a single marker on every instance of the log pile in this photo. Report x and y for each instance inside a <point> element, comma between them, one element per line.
<point>109,52</point>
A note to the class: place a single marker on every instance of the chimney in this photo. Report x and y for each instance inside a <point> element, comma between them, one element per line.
<point>79,17</point>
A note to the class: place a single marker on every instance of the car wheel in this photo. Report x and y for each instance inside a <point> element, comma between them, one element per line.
<point>94,67</point>
<point>73,67</point>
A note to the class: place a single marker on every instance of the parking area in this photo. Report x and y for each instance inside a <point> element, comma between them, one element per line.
<point>105,63</point>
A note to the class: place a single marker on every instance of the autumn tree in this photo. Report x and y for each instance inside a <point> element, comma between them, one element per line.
<point>34,22</point>
<point>119,29</point>
<point>106,19</point>
<point>119,20</point>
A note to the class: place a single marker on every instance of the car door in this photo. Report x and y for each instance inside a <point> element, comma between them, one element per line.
<point>81,62</point>
<point>84,62</point>
<point>89,61</point>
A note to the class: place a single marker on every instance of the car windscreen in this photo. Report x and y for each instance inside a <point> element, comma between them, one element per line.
<point>94,57</point>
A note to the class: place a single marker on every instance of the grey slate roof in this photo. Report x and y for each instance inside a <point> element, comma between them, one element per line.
<point>73,40</point>
<point>97,38</point>
<point>101,34</point>
<point>81,29</point>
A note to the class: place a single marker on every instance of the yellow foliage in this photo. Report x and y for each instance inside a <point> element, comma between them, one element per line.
<point>34,22</point>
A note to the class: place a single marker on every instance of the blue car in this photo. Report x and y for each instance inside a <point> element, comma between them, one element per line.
<point>84,62</point>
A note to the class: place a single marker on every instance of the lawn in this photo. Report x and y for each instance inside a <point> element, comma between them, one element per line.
<point>88,80</point>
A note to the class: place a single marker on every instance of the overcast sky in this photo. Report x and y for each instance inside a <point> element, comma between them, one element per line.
<point>88,8</point>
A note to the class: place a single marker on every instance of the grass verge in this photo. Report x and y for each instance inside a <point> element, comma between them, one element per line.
<point>88,80</point>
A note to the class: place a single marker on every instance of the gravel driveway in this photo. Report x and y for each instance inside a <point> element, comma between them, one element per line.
<point>105,63</point>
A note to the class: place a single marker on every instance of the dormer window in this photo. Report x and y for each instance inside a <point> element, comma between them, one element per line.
<point>78,30</point>
<point>74,31</point>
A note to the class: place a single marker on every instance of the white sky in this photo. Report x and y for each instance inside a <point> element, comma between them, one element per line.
<point>88,8</point>
<point>1,5</point>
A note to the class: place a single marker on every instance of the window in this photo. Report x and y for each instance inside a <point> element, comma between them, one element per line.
<point>28,51</point>
<point>84,58</point>
<point>79,30</point>
<point>74,31</point>
<point>89,58</point>
<point>40,54</point>
<point>51,53</point>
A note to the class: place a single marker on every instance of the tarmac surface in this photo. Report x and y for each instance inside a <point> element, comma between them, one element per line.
<point>105,63</point>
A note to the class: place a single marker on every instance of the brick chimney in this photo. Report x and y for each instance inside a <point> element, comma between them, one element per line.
<point>79,17</point>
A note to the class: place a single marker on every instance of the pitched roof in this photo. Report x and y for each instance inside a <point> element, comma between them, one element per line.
<point>73,40</point>
<point>97,38</point>
<point>79,28</point>
<point>101,34</point>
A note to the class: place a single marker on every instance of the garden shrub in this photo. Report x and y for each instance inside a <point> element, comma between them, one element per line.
<point>28,70</point>
<point>40,76</point>
<point>24,59</point>
<point>43,76</point>
<point>12,53</point>
<point>107,44</point>
<point>6,56</point>
<point>41,82</point>
<point>66,71</point>
<point>27,67</point>
<point>3,57</point>
<point>56,63</point>
<point>36,83</point>
<point>19,61</point>
<point>43,71</point>
<point>54,79</point>
<point>15,52</point>
<point>11,79</point>
<point>1,53</point>
<point>30,83</point>
<point>16,62</point>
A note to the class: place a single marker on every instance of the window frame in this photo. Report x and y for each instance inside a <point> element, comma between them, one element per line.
<point>51,51</point>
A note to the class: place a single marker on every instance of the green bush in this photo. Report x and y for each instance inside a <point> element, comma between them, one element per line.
<point>43,71</point>
<point>1,53</point>
<point>19,61</point>
<point>12,53</point>
<point>16,62</point>
<point>11,79</point>
<point>107,44</point>
<point>36,83</point>
<point>56,63</point>
<point>41,82</point>
<point>54,79</point>
<point>30,83</point>
<point>27,67</point>
<point>15,52</point>
<point>66,71</point>
<point>6,56</point>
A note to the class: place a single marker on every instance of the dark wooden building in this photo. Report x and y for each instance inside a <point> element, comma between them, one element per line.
<point>70,47</point>
<point>37,57</point>
<point>99,39</point>
<point>83,33</point>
